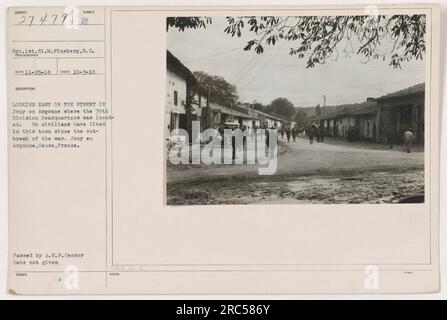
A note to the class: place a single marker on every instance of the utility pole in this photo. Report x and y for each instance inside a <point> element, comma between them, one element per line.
<point>208,111</point>
<point>326,128</point>
<point>251,112</point>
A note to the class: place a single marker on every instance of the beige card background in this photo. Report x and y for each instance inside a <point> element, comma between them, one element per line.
<point>107,199</point>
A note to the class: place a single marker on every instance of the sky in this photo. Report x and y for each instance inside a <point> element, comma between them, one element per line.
<point>275,73</point>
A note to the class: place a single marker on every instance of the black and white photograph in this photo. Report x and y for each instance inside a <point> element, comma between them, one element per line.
<point>225,150</point>
<point>295,109</point>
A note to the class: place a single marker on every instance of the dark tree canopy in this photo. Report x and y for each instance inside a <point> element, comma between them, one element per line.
<point>281,107</point>
<point>182,23</point>
<point>221,91</point>
<point>259,106</point>
<point>394,39</point>
<point>301,118</point>
<point>318,111</point>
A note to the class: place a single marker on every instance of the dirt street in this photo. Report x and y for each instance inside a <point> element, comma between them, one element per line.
<point>317,173</point>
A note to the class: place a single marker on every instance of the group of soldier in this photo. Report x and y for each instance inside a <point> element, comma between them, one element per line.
<point>312,131</point>
<point>289,133</point>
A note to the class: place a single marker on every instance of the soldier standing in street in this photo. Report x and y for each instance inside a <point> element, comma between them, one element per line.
<point>267,137</point>
<point>408,139</point>
<point>311,132</point>
<point>288,134</point>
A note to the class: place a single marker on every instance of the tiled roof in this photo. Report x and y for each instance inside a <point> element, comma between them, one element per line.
<point>419,88</point>
<point>229,111</point>
<point>176,66</point>
<point>371,106</point>
<point>238,112</point>
<point>271,116</point>
<point>352,109</point>
<point>365,108</point>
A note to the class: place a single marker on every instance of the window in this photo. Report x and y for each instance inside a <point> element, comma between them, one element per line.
<point>175,98</point>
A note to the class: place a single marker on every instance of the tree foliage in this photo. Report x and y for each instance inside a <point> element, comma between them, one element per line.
<point>259,106</point>
<point>318,111</point>
<point>182,23</point>
<point>221,91</point>
<point>301,118</point>
<point>281,107</point>
<point>319,38</point>
<point>395,39</point>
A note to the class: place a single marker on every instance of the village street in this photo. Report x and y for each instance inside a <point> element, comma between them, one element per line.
<point>317,173</point>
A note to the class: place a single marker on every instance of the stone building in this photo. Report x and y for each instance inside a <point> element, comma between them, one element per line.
<point>353,121</point>
<point>382,119</point>
<point>400,111</point>
<point>185,99</point>
<point>179,82</point>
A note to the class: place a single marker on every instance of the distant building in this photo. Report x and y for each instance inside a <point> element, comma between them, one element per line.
<point>186,101</point>
<point>400,111</point>
<point>229,117</point>
<point>384,119</point>
<point>261,119</point>
<point>271,121</point>
<point>366,120</point>
<point>353,121</point>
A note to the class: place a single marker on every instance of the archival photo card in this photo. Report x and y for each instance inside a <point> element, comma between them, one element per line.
<point>295,109</point>
<point>223,150</point>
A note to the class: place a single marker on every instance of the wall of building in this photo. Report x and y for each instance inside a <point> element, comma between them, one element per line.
<point>367,127</point>
<point>394,115</point>
<point>343,125</point>
<point>399,114</point>
<point>175,83</point>
<point>270,122</point>
<point>174,114</point>
<point>331,126</point>
<point>247,122</point>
